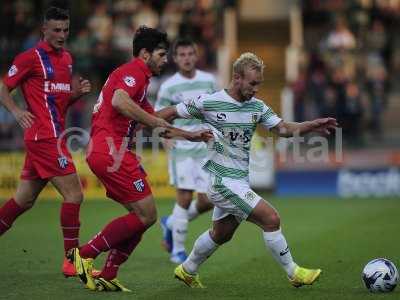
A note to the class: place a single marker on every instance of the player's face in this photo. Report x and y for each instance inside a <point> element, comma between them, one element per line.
<point>157,61</point>
<point>249,83</point>
<point>56,33</point>
<point>185,58</point>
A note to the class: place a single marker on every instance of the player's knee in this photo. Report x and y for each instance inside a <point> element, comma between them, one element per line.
<point>76,197</point>
<point>150,218</point>
<point>26,202</point>
<point>220,237</point>
<point>273,221</point>
<point>73,196</point>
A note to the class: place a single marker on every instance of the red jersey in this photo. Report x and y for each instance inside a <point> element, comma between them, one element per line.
<point>132,77</point>
<point>44,75</point>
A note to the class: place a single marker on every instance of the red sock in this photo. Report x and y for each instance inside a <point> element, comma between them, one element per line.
<point>8,213</point>
<point>69,217</point>
<point>118,256</point>
<point>114,233</point>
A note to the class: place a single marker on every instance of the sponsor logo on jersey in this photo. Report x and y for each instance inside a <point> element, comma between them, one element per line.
<point>129,81</point>
<point>12,71</point>
<point>63,162</point>
<point>51,87</point>
<point>139,185</point>
<point>221,117</point>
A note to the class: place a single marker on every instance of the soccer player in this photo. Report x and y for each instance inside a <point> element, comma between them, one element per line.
<point>122,106</point>
<point>233,115</point>
<point>186,158</point>
<point>44,74</point>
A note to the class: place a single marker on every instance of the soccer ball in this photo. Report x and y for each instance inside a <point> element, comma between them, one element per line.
<point>380,276</point>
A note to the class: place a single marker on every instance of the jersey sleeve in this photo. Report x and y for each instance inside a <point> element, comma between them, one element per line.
<point>269,119</point>
<point>191,108</point>
<point>19,70</point>
<point>130,83</point>
<point>163,99</point>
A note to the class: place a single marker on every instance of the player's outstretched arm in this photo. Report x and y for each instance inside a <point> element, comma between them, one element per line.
<point>321,126</point>
<point>168,113</point>
<point>24,118</point>
<point>196,136</point>
<point>125,106</point>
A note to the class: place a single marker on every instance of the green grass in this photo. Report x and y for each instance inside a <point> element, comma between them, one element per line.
<point>339,236</point>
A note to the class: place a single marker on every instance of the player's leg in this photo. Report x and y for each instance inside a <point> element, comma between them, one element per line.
<point>202,180</point>
<point>199,206</point>
<point>267,218</point>
<point>120,236</point>
<point>178,222</point>
<point>25,197</point>
<point>142,214</point>
<point>69,187</point>
<point>221,233</point>
<point>182,174</point>
<point>205,245</point>
<point>146,211</point>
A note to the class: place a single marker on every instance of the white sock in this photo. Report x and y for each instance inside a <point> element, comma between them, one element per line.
<point>202,249</point>
<point>170,221</point>
<point>192,211</point>
<point>276,242</point>
<point>179,228</point>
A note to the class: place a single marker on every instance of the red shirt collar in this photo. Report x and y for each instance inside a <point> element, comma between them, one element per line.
<point>46,46</point>
<point>142,66</point>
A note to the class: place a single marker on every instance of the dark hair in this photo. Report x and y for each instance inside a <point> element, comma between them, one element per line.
<point>149,39</point>
<point>55,13</point>
<point>182,42</point>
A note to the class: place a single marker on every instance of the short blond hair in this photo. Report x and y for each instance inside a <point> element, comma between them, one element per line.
<point>248,60</point>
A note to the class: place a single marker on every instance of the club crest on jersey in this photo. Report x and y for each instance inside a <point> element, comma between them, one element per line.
<point>12,71</point>
<point>139,185</point>
<point>250,196</point>
<point>129,81</point>
<point>63,162</point>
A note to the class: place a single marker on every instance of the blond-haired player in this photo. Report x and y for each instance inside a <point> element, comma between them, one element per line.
<point>233,115</point>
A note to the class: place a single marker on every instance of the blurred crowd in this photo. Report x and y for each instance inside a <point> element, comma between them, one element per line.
<point>101,39</point>
<point>352,64</point>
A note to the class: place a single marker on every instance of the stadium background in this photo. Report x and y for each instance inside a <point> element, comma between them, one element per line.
<point>323,58</point>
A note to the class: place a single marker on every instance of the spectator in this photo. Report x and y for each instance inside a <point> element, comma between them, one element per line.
<point>100,23</point>
<point>341,38</point>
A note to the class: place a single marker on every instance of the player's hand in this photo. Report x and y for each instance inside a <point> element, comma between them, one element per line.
<point>24,118</point>
<point>82,88</point>
<point>201,136</point>
<point>324,126</point>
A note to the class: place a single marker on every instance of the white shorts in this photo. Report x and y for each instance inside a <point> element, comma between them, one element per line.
<point>187,173</point>
<point>231,197</point>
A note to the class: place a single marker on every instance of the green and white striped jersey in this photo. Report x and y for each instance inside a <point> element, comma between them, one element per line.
<point>233,124</point>
<point>175,90</point>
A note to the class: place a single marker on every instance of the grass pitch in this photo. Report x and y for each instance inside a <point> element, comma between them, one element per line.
<point>339,236</point>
